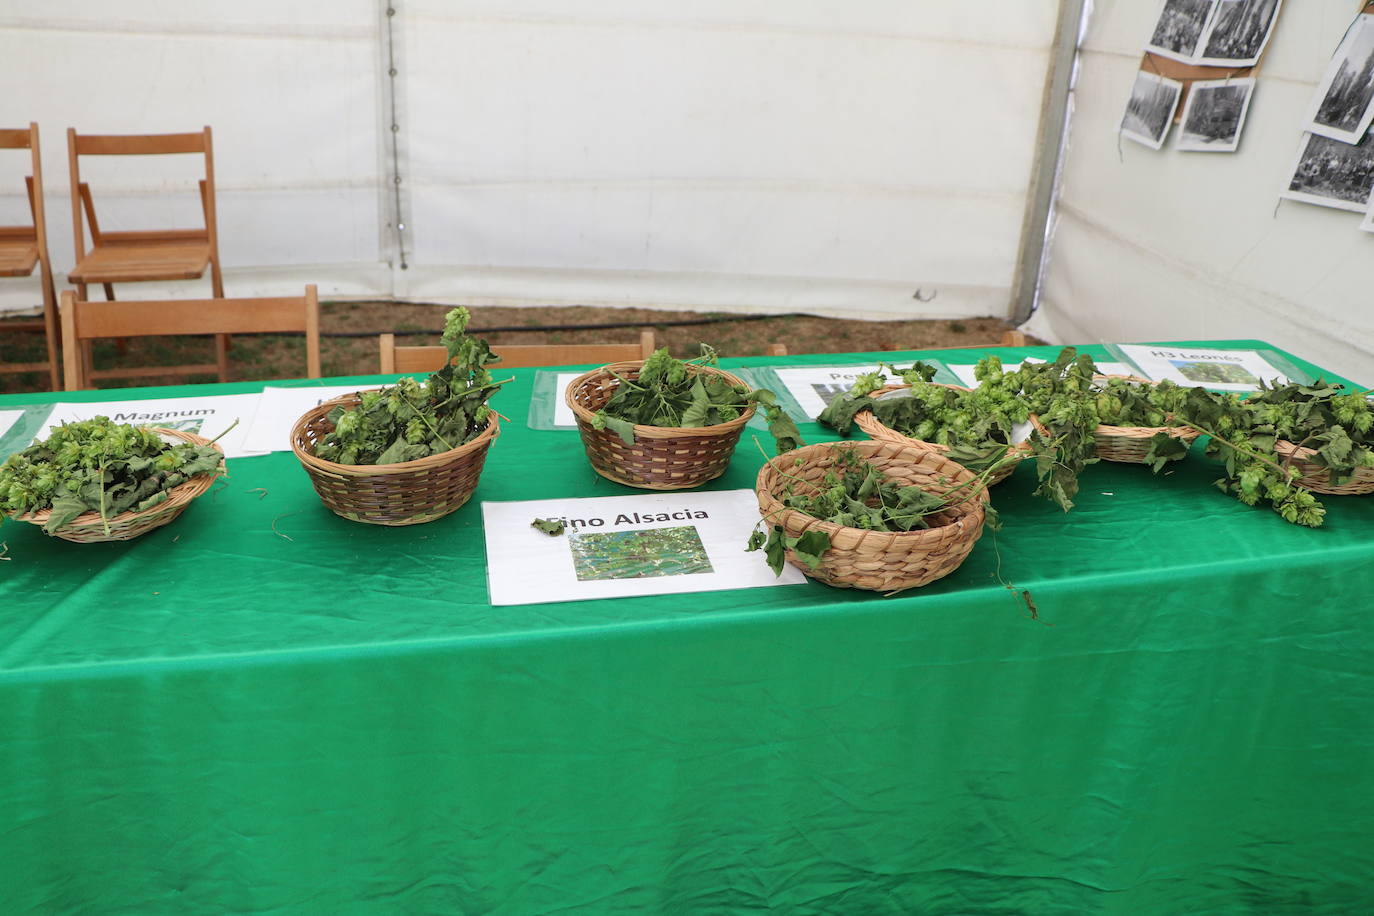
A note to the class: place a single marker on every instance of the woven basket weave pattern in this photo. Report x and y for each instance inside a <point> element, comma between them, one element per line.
<point>1130,444</point>
<point>1317,478</point>
<point>662,457</point>
<point>876,429</point>
<point>880,561</point>
<point>88,528</point>
<point>409,493</point>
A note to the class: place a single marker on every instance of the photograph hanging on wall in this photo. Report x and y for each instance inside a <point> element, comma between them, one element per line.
<point>1343,104</point>
<point>1330,173</point>
<point>1238,33</point>
<point>1150,110</point>
<point>1180,27</point>
<point>1214,115</point>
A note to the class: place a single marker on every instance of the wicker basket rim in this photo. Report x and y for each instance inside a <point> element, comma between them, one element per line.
<point>491,431</point>
<point>867,418</point>
<point>182,493</point>
<point>586,415</point>
<point>965,510</point>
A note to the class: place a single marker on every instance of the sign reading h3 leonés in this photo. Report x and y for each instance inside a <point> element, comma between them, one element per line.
<point>1222,370</point>
<point>619,546</point>
<point>208,416</point>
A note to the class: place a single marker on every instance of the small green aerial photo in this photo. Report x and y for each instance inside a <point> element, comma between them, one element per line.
<point>640,554</point>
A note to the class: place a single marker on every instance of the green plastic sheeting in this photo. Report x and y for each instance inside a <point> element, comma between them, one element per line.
<point>263,708</point>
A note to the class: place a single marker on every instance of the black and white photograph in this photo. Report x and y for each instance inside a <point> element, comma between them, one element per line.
<point>1367,224</point>
<point>1150,111</point>
<point>1179,29</point>
<point>1239,31</point>
<point>1332,174</point>
<point>1214,115</point>
<point>1344,102</point>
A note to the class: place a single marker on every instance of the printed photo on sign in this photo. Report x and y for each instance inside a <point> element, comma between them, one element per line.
<point>1179,28</point>
<point>638,554</point>
<point>1343,105</point>
<point>1330,173</point>
<point>1238,33</point>
<point>1150,111</point>
<point>1214,115</point>
<point>622,546</point>
<point>1222,370</point>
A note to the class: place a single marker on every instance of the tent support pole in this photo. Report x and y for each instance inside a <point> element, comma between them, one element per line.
<point>1049,147</point>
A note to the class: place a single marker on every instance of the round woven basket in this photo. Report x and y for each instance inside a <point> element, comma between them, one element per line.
<point>880,561</point>
<point>1130,444</point>
<point>88,528</point>
<point>1317,478</point>
<point>876,429</point>
<point>662,457</point>
<point>408,493</point>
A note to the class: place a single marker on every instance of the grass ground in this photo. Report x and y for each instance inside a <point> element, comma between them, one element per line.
<point>282,356</point>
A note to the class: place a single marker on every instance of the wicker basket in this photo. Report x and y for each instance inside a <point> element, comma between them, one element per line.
<point>1130,444</point>
<point>662,457</point>
<point>408,493</point>
<point>88,528</point>
<point>1317,478</point>
<point>876,429</point>
<point>879,561</point>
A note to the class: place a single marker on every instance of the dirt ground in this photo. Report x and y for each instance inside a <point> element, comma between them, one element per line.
<point>281,356</point>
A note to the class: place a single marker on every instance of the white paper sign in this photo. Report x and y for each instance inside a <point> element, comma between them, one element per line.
<point>562,413</point>
<point>7,419</point>
<point>278,410</point>
<point>619,546</point>
<point>1223,370</point>
<point>965,370</point>
<point>207,416</point>
<point>814,387</point>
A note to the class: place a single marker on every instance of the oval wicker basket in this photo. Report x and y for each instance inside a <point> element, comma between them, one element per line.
<point>88,528</point>
<point>1317,478</point>
<point>1130,444</point>
<point>880,561</point>
<point>662,457</point>
<point>408,493</point>
<point>876,429</point>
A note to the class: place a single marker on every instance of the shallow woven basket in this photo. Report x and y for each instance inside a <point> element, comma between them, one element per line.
<point>879,561</point>
<point>662,457</point>
<point>1317,478</point>
<point>1130,444</point>
<point>88,528</point>
<point>876,429</point>
<point>408,493</point>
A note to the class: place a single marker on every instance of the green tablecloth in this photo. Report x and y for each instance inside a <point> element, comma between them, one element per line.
<point>263,708</point>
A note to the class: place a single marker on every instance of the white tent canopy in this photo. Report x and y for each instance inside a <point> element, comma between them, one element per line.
<point>766,155</point>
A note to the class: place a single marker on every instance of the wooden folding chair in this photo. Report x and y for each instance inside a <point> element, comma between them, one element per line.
<point>23,247</point>
<point>515,356</point>
<point>84,321</point>
<point>143,255</point>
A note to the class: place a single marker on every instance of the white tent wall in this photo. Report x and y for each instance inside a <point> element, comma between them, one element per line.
<point>1180,245</point>
<point>291,91</point>
<point>763,156</point>
<point>760,155</point>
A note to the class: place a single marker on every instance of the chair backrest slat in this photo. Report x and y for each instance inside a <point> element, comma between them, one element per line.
<point>139,144</point>
<point>14,138</point>
<point>128,318</point>
<point>396,359</point>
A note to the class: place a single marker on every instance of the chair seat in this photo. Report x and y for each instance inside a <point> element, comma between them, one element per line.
<point>18,254</point>
<point>114,262</point>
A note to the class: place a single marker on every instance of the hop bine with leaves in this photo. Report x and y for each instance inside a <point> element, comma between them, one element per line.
<point>98,465</point>
<point>412,420</point>
<point>667,393</point>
